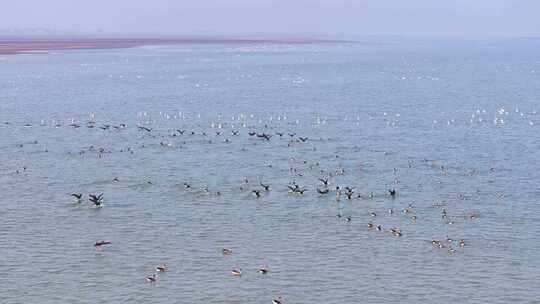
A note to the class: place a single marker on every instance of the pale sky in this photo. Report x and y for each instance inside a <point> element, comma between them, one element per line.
<point>335,17</point>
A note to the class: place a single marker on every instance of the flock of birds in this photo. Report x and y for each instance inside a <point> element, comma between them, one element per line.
<point>327,179</point>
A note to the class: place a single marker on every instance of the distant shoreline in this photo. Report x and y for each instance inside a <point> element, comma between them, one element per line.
<point>20,45</point>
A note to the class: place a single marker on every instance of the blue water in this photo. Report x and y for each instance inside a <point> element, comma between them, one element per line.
<point>450,125</point>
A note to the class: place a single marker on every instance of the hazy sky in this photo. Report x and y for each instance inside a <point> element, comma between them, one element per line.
<point>345,17</point>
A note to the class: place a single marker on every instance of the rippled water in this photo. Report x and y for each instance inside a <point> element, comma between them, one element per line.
<point>450,125</point>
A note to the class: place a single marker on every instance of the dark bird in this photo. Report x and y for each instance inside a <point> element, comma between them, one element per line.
<point>292,187</point>
<point>396,231</point>
<point>98,244</point>
<point>325,191</point>
<point>265,136</point>
<point>234,133</point>
<point>349,192</point>
<point>78,196</point>
<point>181,131</point>
<point>301,191</point>
<point>252,133</point>
<point>277,301</point>
<point>145,129</point>
<point>96,199</point>
<point>303,139</point>
<point>266,187</point>
<point>161,268</point>
<point>324,181</point>
<point>392,192</point>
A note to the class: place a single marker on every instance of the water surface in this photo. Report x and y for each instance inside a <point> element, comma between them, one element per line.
<point>445,123</point>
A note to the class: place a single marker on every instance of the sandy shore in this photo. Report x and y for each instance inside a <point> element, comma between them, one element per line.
<point>10,45</point>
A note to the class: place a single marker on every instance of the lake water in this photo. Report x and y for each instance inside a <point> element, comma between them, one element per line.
<point>450,125</point>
